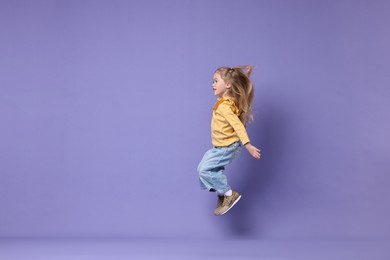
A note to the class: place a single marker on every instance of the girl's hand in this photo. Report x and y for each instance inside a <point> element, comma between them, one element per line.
<point>253,151</point>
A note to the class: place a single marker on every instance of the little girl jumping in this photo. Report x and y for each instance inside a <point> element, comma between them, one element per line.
<point>231,112</point>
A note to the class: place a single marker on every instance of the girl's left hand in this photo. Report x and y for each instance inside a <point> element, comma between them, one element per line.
<point>255,152</point>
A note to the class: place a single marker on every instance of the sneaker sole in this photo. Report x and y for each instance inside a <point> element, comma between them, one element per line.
<point>234,203</point>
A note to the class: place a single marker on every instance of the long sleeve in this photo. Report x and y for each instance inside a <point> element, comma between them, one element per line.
<point>226,127</point>
<point>233,120</point>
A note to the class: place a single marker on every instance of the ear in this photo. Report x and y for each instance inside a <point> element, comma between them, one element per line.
<point>228,85</point>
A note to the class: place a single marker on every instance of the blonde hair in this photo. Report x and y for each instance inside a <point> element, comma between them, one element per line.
<point>241,89</point>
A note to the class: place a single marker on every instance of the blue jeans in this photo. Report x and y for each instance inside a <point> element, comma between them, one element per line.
<point>211,167</point>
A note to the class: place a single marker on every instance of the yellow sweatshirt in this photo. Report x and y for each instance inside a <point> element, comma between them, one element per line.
<point>226,127</point>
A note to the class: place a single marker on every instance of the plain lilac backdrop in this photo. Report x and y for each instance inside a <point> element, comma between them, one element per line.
<point>105,112</point>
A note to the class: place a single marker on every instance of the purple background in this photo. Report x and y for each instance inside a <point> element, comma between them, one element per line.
<point>105,111</point>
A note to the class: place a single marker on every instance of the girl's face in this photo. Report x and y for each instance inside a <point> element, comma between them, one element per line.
<point>220,87</point>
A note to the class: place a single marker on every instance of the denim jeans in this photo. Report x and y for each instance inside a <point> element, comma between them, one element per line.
<point>211,167</point>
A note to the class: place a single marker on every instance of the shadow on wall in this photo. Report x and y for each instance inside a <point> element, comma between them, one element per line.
<point>258,177</point>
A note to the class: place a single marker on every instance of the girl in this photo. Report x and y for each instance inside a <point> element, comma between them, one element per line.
<point>231,112</point>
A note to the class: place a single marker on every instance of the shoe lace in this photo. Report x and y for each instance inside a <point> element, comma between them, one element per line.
<point>227,200</point>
